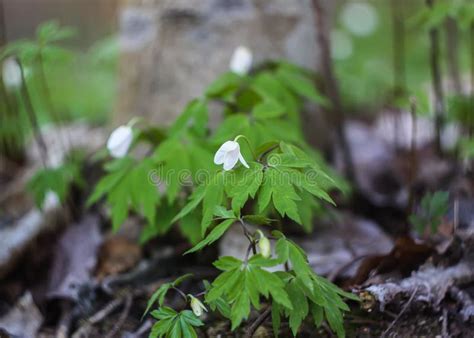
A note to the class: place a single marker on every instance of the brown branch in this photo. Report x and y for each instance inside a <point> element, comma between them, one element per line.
<point>260,319</point>
<point>123,316</point>
<point>400,314</point>
<point>337,115</point>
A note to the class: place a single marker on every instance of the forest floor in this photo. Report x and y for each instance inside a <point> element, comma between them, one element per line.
<point>63,273</point>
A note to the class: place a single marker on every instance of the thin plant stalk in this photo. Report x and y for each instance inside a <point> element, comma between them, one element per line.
<point>32,116</point>
<point>48,98</point>
<point>398,46</point>
<point>471,35</point>
<point>436,80</point>
<point>413,158</point>
<point>337,117</point>
<point>452,52</point>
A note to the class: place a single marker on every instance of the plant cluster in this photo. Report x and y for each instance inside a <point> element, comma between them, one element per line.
<point>269,175</point>
<point>41,78</point>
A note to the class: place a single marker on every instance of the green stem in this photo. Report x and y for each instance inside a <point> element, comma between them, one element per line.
<point>248,143</point>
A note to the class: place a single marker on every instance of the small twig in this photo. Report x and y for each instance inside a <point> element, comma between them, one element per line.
<point>147,325</point>
<point>248,235</point>
<point>247,254</point>
<point>266,152</point>
<point>64,325</point>
<point>97,317</point>
<point>344,267</point>
<point>400,314</point>
<point>260,319</point>
<point>122,318</point>
<point>444,330</point>
<point>181,293</point>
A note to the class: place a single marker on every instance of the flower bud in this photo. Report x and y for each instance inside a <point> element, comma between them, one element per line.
<point>119,141</point>
<point>197,306</point>
<point>11,73</point>
<point>264,245</point>
<point>241,61</point>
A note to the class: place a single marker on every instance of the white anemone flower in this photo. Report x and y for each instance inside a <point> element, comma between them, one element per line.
<point>119,141</point>
<point>197,306</point>
<point>51,200</point>
<point>229,154</point>
<point>11,73</point>
<point>241,60</point>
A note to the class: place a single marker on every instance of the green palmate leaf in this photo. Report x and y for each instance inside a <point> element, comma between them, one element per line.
<point>300,85</point>
<point>288,251</point>
<point>160,294</point>
<point>277,187</point>
<point>213,196</point>
<point>190,226</point>
<point>128,185</point>
<point>300,305</point>
<point>213,236</point>
<point>56,180</point>
<point>271,90</point>
<point>172,324</point>
<point>194,200</point>
<point>222,212</point>
<point>267,110</point>
<point>236,124</point>
<point>51,31</point>
<point>162,223</point>
<point>174,171</point>
<point>257,219</point>
<point>224,84</point>
<point>210,196</point>
<point>194,116</point>
<point>220,304</point>
<point>242,184</point>
<point>243,284</point>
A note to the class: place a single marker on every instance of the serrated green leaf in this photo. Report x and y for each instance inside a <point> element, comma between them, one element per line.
<point>268,110</point>
<point>301,85</point>
<point>213,236</point>
<point>224,84</point>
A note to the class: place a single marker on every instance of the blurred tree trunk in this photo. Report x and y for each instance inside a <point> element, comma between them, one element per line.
<point>172,49</point>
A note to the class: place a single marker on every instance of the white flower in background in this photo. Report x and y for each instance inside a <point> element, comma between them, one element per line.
<point>229,154</point>
<point>197,306</point>
<point>341,45</point>
<point>51,200</point>
<point>359,18</point>
<point>241,60</point>
<point>264,245</point>
<point>119,141</point>
<point>11,73</point>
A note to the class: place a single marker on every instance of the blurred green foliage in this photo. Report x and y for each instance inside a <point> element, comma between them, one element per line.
<point>365,68</point>
<point>64,84</point>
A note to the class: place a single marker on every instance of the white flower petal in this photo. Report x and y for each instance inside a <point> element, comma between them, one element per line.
<point>241,60</point>
<point>11,73</point>
<point>219,157</point>
<point>230,161</point>
<point>229,146</point>
<point>242,160</point>
<point>119,141</point>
